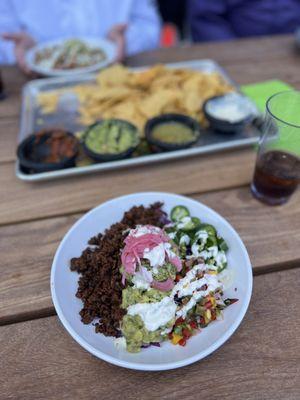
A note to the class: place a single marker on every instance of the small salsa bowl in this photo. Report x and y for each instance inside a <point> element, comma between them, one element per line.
<point>169,119</point>
<point>34,152</point>
<point>109,155</point>
<point>229,113</point>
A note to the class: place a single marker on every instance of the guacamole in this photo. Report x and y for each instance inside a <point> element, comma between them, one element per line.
<point>131,296</point>
<point>166,271</point>
<point>111,137</point>
<point>137,335</point>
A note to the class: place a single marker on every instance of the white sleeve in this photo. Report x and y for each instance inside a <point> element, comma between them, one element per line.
<point>8,23</point>
<point>143,32</point>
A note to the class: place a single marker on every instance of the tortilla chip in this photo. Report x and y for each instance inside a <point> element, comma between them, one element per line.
<point>137,96</point>
<point>115,75</point>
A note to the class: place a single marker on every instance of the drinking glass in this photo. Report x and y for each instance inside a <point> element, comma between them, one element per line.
<point>2,93</point>
<point>277,170</point>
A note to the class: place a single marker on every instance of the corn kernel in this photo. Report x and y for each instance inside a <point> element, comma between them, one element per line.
<point>176,338</point>
<point>208,314</point>
<point>212,272</point>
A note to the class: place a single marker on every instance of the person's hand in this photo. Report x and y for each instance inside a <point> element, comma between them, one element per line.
<point>117,35</point>
<point>23,42</point>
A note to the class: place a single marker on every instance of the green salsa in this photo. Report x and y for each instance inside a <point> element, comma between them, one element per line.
<point>173,132</point>
<point>111,137</point>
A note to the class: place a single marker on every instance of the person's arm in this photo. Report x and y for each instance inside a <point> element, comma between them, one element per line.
<point>13,42</point>
<point>8,23</point>
<point>143,27</point>
<point>22,42</point>
<point>208,20</point>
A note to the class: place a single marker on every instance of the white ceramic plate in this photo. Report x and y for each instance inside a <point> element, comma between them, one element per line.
<point>168,356</point>
<point>105,45</point>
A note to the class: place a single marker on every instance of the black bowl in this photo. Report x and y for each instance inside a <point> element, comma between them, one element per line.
<point>222,125</point>
<point>31,154</point>
<point>161,119</point>
<point>104,157</point>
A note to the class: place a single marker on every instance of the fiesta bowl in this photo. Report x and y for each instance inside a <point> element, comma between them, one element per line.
<point>168,356</point>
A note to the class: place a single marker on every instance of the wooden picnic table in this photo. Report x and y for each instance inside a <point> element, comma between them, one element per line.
<point>261,361</point>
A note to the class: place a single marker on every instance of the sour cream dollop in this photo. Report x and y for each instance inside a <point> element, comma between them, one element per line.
<point>232,107</point>
<point>156,315</point>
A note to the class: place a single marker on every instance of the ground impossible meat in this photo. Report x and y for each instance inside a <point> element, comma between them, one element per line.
<point>99,286</point>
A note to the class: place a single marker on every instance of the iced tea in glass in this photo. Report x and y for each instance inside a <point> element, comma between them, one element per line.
<point>277,170</point>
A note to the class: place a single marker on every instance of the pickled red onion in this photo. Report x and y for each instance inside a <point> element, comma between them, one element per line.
<point>164,286</point>
<point>137,242</point>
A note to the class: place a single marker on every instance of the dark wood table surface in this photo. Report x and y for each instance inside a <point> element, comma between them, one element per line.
<point>39,360</point>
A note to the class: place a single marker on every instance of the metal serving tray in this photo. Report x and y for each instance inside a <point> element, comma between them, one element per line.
<point>66,117</point>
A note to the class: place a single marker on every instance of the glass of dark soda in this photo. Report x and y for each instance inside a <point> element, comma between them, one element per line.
<point>277,170</point>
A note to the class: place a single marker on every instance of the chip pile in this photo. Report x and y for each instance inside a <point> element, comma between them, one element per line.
<point>137,96</point>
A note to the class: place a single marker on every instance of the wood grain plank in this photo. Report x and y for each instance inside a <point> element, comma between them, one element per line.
<point>13,78</point>
<point>9,128</point>
<point>13,81</point>
<point>271,235</point>
<point>11,106</point>
<point>39,360</point>
<point>58,197</point>
<point>259,71</point>
<point>229,52</point>
<point>25,272</point>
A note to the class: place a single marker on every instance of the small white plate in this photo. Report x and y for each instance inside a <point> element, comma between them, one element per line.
<point>108,47</point>
<point>168,356</point>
